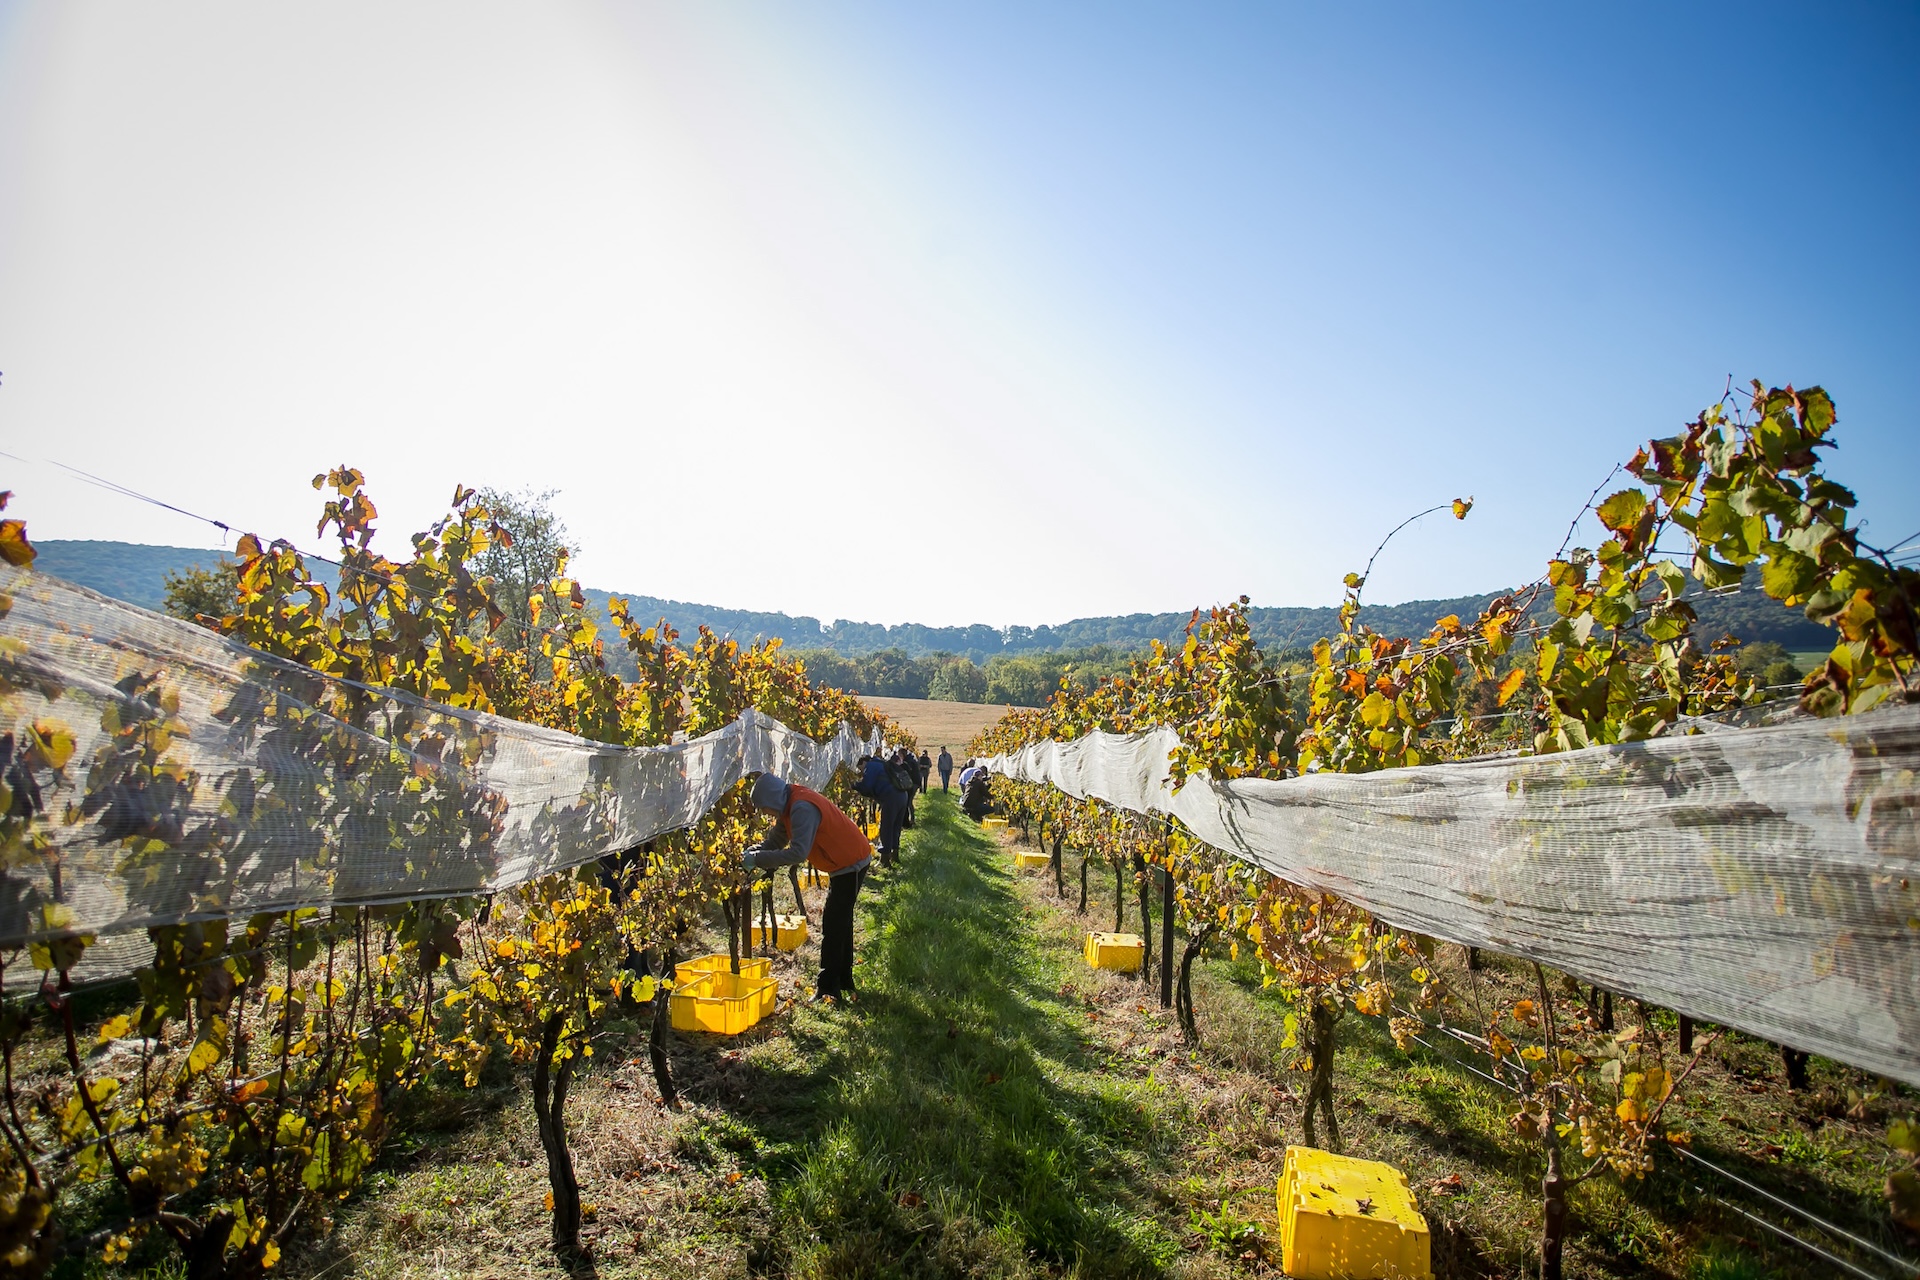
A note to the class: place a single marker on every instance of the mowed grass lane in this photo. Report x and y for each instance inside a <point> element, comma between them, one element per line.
<point>955,1121</point>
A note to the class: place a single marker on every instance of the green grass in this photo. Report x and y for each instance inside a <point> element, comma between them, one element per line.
<point>954,1111</point>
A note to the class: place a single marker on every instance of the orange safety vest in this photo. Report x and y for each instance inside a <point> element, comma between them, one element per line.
<point>839,843</point>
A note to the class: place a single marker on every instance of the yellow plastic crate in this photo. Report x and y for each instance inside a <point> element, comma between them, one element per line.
<point>873,831</point>
<point>1026,860</point>
<point>723,1003</point>
<point>1348,1219</point>
<point>789,932</point>
<point>688,970</point>
<point>1118,951</point>
<point>994,824</point>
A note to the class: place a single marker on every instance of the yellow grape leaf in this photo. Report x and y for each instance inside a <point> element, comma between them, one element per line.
<point>1511,685</point>
<point>115,1028</point>
<point>14,547</point>
<point>549,1202</point>
<point>1461,506</point>
<point>1376,712</point>
<point>203,1056</point>
<point>55,742</point>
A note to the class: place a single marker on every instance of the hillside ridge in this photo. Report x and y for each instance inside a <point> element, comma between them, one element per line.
<point>135,572</point>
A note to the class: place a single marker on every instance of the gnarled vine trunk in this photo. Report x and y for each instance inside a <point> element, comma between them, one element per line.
<point>1146,917</point>
<point>1183,993</point>
<point>1553,1227</point>
<point>1795,1061</point>
<point>1322,1018</point>
<point>1166,939</point>
<point>660,1033</point>
<point>550,1116</point>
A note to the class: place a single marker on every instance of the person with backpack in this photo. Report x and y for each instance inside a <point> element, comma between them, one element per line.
<point>946,767</point>
<point>813,828</point>
<point>904,773</point>
<point>876,786</point>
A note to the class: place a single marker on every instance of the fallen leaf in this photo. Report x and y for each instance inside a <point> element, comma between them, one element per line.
<point>733,1177</point>
<point>911,1199</point>
<point>993,1077</point>
<point>1364,1205</point>
<point>1451,1185</point>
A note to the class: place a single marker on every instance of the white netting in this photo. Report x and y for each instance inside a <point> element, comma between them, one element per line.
<point>207,779</point>
<point>1765,878</point>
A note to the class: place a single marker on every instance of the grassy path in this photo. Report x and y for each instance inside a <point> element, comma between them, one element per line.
<point>954,1120</point>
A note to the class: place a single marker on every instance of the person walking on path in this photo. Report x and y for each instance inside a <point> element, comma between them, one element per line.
<point>812,827</point>
<point>877,787</point>
<point>946,767</point>
<point>926,771</point>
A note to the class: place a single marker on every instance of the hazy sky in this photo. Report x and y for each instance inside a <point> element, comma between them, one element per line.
<point>984,312</point>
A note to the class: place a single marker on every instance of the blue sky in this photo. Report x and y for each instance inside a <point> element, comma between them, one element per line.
<point>1136,307</point>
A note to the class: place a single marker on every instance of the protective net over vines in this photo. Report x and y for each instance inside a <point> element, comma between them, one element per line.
<point>1764,878</point>
<point>154,772</point>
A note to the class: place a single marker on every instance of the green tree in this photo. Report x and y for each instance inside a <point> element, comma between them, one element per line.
<point>1769,664</point>
<point>958,680</point>
<point>533,552</point>
<point>204,596</point>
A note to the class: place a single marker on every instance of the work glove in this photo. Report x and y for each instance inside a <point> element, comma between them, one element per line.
<point>747,859</point>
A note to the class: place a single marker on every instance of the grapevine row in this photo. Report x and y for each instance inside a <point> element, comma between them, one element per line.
<point>247,1090</point>
<point>1600,649</point>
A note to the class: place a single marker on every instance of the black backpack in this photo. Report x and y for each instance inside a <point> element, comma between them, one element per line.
<point>903,781</point>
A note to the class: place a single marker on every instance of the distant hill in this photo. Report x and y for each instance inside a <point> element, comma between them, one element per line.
<point>135,572</point>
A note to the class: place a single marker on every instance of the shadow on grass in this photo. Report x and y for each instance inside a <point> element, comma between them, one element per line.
<point>949,1123</point>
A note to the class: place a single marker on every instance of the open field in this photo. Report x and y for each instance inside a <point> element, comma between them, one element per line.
<point>935,723</point>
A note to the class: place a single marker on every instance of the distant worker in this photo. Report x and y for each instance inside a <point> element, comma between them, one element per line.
<point>975,798</point>
<point>946,767</point>
<point>813,828</point>
<point>876,786</point>
<point>904,772</point>
<point>966,774</point>
<point>926,771</point>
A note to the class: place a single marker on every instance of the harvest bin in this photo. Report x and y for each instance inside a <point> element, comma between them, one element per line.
<point>789,932</point>
<point>1027,859</point>
<point>1348,1219</point>
<point>1119,951</point>
<point>757,967</point>
<point>993,824</point>
<point>723,1003</point>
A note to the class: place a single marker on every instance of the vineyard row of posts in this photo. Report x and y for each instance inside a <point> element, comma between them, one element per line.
<point>1617,662</point>
<point>247,1090</point>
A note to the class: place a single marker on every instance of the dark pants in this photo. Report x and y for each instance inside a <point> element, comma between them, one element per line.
<point>944,775</point>
<point>836,933</point>
<point>893,816</point>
